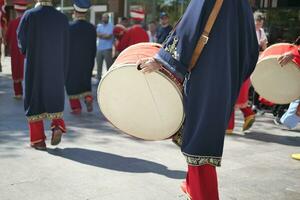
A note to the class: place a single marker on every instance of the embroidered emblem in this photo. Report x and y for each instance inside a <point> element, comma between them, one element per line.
<point>172,48</point>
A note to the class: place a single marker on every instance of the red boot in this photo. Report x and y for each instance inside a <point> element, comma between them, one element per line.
<point>75,106</point>
<point>37,135</point>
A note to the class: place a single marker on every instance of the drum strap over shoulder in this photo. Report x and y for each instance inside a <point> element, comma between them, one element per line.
<point>205,35</point>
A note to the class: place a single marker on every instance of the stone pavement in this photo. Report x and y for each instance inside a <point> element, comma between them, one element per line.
<point>96,162</point>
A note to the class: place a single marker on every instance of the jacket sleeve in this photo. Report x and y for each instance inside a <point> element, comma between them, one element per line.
<point>177,51</point>
<point>22,32</point>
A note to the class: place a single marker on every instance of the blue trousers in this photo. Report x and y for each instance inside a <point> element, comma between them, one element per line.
<point>290,119</point>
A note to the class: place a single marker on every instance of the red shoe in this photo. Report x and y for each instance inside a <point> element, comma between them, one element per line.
<point>183,187</point>
<point>41,146</point>
<point>249,121</point>
<point>56,136</point>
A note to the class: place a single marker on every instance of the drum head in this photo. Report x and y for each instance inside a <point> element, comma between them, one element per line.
<point>146,106</point>
<point>280,85</point>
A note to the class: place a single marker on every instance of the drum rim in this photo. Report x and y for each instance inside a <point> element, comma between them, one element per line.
<point>118,66</point>
<point>140,44</point>
<point>274,57</point>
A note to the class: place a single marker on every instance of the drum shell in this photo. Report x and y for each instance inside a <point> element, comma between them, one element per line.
<point>136,85</point>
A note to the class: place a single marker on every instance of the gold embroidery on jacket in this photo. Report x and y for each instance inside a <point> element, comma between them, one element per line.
<point>172,48</point>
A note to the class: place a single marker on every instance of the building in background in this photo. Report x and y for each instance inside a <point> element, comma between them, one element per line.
<point>282,16</point>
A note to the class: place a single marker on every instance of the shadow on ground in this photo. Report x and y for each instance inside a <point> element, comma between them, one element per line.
<point>115,162</point>
<point>270,138</point>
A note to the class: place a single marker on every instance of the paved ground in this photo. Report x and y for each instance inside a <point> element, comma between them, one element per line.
<point>96,162</point>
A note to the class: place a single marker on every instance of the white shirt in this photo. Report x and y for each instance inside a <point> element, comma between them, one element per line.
<point>152,38</point>
<point>261,35</point>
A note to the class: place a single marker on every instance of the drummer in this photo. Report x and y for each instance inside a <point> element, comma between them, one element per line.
<point>82,58</point>
<point>292,117</point>
<point>212,87</point>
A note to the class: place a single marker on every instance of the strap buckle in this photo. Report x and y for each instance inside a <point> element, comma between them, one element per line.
<point>205,38</point>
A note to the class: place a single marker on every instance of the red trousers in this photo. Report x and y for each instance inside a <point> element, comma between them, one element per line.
<point>202,182</point>
<point>76,105</point>
<point>18,88</point>
<point>36,129</point>
<point>246,112</point>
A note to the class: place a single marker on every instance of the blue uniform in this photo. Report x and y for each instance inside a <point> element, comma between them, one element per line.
<point>82,58</point>
<point>43,36</point>
<point>213,86</point>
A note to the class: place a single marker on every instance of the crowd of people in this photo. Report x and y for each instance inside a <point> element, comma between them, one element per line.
<point>61,56</point>
<point>113,39</point>
<point>63,60</point>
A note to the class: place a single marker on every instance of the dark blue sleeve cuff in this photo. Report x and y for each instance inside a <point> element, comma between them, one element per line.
<point>171,64</point>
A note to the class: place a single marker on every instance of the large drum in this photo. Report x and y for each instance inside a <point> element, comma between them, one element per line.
<point>276,83</point>
<point>146,106</point>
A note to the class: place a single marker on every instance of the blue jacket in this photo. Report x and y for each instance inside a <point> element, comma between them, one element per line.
<point>213,86</point>
<point>43,36</point>
<point>82,57</point>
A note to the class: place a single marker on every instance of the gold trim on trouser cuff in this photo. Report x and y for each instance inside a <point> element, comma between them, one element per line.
<point>44,116</point>
<point>78,96</point>
<point>203,160</point>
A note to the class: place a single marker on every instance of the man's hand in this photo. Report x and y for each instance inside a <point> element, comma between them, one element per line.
<point>286,58</point>
<point>148,65</point>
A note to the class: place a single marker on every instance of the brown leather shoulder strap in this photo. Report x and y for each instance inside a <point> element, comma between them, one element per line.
<point>205,35</point>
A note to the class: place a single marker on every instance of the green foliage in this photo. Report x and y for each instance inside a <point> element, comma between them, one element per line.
<point>283,24</point>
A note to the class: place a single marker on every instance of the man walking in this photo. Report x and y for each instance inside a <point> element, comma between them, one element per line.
<point>43,37</point>
<point>104,44</point>
<point>82,58</point>
<point>17,58</point>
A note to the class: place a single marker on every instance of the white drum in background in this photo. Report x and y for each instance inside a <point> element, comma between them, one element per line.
<point>278,84</point>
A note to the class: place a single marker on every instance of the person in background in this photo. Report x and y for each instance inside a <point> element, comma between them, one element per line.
<point>82,58</point>
<point>152,31</point>
<point>164,29</point>
<point>133,35</point>
<point>260,32</point>
<point>125,22</point>
<point>262,39</point>
<point>104,44</point>
<point>292,117</point>
<point>45,44</point>
<point>17,58</point>
<point>3,27</point>
<point>242,104</point>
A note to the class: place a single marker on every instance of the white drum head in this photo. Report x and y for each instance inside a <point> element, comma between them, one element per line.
<point>146,106</point>
<point>280,85</point>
